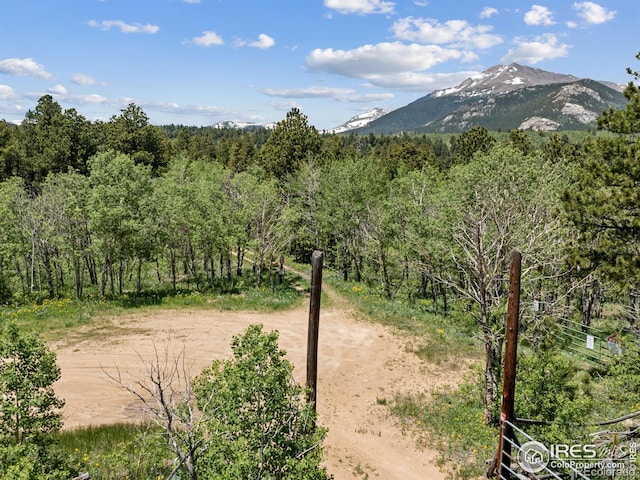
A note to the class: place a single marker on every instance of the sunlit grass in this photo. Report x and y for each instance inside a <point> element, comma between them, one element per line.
<point>52,318</point>
<point>452,422</point>
<point>119,451</point>
<point>438,338</point>
<point>96,439</point>
<point>53,315</point>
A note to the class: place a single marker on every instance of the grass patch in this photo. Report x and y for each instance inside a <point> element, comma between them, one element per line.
<point>55,318</point>
<point>115,451</point>
<point>262,299</point>
<point>452,422</point>
<point>95,440</point>
<point>437,338</point>
<point>53,315</point>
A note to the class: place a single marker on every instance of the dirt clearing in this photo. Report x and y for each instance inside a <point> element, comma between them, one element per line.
<point>361,366</point>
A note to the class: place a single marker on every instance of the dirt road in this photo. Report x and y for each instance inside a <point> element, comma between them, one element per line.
<point>361,366</point>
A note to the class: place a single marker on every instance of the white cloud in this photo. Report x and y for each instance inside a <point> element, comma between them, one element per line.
<point>207,39</point>
<point>7,93</point>
<point>571,24</point>
<point>92,99</point>
<point>391,65</point>
<point>454,32</point>
<point>24,67</point>
<point>592,13</point>
<point>284,106</point>
<point>309,92</point>
<point>368,97</point>
<point>173,107</point>
<point>539,15</point>
<point>57,90</point>
<point>82,79</point>
<point>545,47</point>
<point>488,12</point>
<point>361,7</point>
<point>264,42</point>
<point>191,1</point>
<point>338,94</point>
<point>422,82</point>
<point>380,59</point>
<point>124,27</point>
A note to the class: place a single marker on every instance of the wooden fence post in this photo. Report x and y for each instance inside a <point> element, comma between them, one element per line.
<point>509,372</point>
<point>314,321</point>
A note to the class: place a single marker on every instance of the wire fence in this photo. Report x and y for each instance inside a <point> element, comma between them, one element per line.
<point>589,343</point>
<point>532,460</point>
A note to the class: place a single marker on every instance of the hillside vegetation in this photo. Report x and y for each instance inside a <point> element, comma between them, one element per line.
<point>125,209</point>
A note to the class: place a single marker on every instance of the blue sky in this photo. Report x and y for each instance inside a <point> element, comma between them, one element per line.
<point>198,62</point>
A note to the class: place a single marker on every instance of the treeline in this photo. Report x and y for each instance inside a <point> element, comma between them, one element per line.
<point>122,205</point>
<point>53,140</point>
<point>91,203</point>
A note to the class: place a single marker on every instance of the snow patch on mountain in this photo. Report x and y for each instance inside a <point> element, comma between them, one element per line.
<point>242,125</point>
<point>504,78</point>
<point>360,120</point>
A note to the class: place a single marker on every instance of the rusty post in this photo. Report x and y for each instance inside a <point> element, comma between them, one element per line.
<point>509,372</point>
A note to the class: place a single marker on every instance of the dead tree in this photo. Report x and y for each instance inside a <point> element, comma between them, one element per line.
<point>166,397</point>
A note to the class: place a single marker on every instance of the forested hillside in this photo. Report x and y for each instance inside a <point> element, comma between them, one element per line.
<point>103,208</point>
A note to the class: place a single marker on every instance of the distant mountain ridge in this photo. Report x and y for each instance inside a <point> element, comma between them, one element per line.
<point>505,97</point>
<point>243,125</point>
<point>360,120</point>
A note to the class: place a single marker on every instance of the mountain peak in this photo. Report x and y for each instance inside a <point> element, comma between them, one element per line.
<point>504,78</point>
<point>505,97</point>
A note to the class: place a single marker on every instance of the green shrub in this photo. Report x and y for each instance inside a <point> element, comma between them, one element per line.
<point>548,389</point>
<point>257,422</point>
<point>28,461</point>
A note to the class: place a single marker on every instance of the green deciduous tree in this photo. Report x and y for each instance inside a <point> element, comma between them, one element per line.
<point>27,461</point>
<point>351,189</point>
<point>300,217</point>
<point>564,403</point>
<point>29,407</point>
<point>65,199</point>
<point>261,207</point>
<point>12,245</point>
<point>260,425</point>
<point>414,210</point>
<point>121,214</point>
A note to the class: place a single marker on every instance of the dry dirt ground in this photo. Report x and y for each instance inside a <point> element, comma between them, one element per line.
<point>361,364</point>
